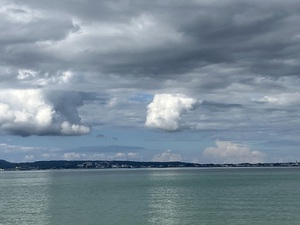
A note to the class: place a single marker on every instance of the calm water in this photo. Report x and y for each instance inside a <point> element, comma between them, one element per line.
<point>151,196</point>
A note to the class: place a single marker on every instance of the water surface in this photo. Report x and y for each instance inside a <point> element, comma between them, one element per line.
<point>151,196</point>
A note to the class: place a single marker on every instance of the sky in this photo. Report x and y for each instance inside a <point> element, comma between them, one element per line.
<point>195,81</point>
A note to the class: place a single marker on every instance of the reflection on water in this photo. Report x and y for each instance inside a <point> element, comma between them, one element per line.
<point>24,198</point>
<point>165,199</point>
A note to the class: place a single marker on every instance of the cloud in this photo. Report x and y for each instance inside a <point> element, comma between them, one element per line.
<point>153,39</point>
<point>31,77</point>
<point>28,158</point>
<point>20,153</point>
<point>7,148</point>
<point>281,99</point>
<point>72,156</point>
<point>31,112</point>
<point>74,129</point>
<point>167,156</point>
<point>165,111</point>
<point>229,152</point>
<point>99,156</point>
<point>101,152</point>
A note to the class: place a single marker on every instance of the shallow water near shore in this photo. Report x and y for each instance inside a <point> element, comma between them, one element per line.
<point>151,196</point>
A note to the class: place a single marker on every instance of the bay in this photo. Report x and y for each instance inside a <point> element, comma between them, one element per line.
<point>151,196</point>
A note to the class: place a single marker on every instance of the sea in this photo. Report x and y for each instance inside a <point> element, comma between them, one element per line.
<point>181,196</point>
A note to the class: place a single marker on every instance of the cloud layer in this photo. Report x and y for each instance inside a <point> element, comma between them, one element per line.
<point>66,68</point>
<point>234,56</point>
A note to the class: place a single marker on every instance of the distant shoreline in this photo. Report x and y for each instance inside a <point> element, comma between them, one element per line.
<point>101,164</point>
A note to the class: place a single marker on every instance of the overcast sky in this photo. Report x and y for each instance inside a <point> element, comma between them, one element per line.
<point>196,81</point>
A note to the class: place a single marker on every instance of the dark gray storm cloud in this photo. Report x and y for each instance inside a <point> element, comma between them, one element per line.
<point>152,38</point>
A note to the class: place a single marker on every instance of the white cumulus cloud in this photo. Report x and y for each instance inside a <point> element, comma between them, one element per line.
<point>29,112</point>
<point>71,156</point>
<point>167,156</point>
<point>229,152</point>
<point>165,111</point>
<point>73,129</point>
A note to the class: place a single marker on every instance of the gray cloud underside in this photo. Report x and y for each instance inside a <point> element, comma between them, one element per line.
<point>255,37</point>
<point>240,58</point>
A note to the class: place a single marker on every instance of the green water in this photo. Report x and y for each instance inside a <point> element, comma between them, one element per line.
<point>151,196</point>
